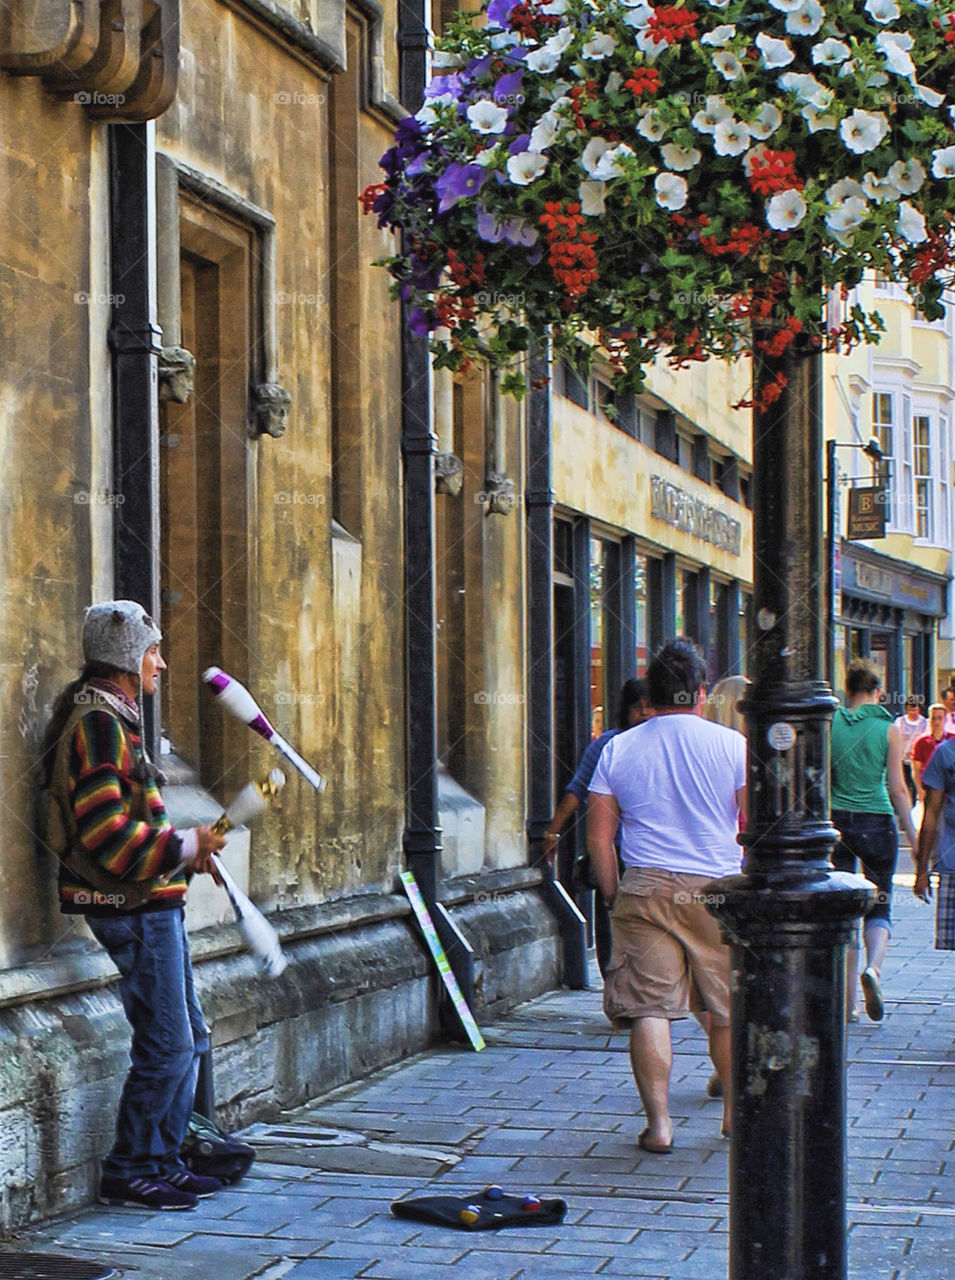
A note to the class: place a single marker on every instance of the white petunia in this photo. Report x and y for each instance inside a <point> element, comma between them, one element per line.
<point>651,125</point>
<point>542,60</point>
<point>592,153</point>
<point>608,166</point>
<point>878,188</point>
<point>786,6</point>
<point>489,156</point>
<point>730,138</point>
<point>844,189</point>
<point>717,4</point>
<point>559,42</point>
<point>525,167</point>
<point>680,158</point>
<point>806,20</point>
<point>599,46</point>
<point>943,162</point>
<point>767,121</point>
<point>786,210</point>
<point>670,190</point>
<point>639,14</point>
<point>426,115</point>
<point>907,176</point>
<point>592,196</point>
<point>894,47</point>
<point>555,7</point>
<point>807,88</point>
<point>930,97</point>
<point>549,127</point>
<point>776,53</point>
<point>713,112</point>
<point>650,44</point>
<point>728,65</point>
<point>882,10</point>
<point>719,36</point>
<point>817,119</point>
<point>485,117</point>
<point>614,82</point>
<point>862,131</point>
<point>911,223</point>
<point>845,218</point>
<point>830,52</point>
<point>442,60</point>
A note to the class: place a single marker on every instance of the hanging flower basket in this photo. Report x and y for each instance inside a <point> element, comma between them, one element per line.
<point>686,179</point>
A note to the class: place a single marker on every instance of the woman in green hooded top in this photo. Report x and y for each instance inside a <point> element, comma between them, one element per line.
<point>867,785</point>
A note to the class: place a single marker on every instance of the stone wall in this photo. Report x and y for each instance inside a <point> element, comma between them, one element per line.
<point>360,992</point>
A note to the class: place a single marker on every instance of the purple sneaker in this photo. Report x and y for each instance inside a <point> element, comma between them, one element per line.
<point>147,1192</point>
<point>197,1184</point>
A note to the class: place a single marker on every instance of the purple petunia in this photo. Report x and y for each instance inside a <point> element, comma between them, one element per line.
<point>499,12</point>
<point>457,183</point>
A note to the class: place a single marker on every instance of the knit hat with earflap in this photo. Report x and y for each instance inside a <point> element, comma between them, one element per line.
<point>118,633</point>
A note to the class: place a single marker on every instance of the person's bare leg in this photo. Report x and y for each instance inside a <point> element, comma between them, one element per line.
<point>722,1054</point>
<point>651,1057</point>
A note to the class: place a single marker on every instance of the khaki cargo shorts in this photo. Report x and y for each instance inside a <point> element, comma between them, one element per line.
<point>668,958</point>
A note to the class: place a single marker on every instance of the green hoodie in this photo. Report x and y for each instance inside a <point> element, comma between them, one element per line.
<point>860,747</point>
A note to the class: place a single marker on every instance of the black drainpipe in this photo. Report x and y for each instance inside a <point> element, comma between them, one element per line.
<point>135,342</point>
<point>422,836</point>
<point>540,646</point>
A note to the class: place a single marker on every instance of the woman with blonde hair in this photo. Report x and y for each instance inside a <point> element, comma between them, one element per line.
<point>721,705</point>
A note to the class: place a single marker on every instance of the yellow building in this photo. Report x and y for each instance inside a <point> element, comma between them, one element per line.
<point>891,593</point>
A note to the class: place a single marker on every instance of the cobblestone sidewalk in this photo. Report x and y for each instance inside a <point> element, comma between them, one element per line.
<point>550,1107</point>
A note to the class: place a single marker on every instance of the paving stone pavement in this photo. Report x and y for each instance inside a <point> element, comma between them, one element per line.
<point>550,1107</point>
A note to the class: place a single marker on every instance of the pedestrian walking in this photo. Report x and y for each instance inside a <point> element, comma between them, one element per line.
<point>632,709</point>
<point>126,870</point>
<point>911,725</point>
<point>924,746</point>
<point>936,846</point>
<point>947,699</point>
<point>675,786</point>
<point>867,786</point>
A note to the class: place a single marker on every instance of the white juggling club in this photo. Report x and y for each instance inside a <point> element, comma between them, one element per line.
<point>252,800</point>
<point>261,938</point>
<point>237,700</point>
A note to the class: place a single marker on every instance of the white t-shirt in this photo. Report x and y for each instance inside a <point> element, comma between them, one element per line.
<point>675,779</point>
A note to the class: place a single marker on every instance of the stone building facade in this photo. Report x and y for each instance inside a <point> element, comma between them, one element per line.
<point>206,405</point>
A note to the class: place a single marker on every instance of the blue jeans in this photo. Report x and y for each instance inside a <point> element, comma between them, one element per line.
<point>151,951</point>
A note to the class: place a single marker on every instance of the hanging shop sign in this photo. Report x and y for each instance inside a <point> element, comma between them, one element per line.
<point>866,512</point>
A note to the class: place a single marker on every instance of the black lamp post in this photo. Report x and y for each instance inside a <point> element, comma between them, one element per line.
<point>872,449</point>
<point>788,916</point>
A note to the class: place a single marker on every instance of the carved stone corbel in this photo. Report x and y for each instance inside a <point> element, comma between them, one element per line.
<point>448,474</point>
<point>177,369</point>
<point>270,409</point>
<point>499,494</point>
<point>119,59</point>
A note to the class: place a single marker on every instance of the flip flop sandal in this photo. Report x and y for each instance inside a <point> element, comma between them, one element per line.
<point>654,1148</point>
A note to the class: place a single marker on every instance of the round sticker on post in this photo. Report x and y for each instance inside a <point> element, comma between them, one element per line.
<point>781,735</point>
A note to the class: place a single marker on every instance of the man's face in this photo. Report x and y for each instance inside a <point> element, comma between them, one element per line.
<point>948,698</point>
<point>912,710</point>
<point>152,665</point>
<point>937,723</point>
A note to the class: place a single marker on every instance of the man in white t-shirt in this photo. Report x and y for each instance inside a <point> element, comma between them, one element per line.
<point>676,785</point>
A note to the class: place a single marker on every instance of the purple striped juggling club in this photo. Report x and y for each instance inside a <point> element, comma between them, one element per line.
<point>237,700</point>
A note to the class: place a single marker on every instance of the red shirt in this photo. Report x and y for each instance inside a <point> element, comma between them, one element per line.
<point>924,748</point>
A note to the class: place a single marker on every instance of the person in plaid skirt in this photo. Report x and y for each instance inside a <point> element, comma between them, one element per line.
<point>939,782</point>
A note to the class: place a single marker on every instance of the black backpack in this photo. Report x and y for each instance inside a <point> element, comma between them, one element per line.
<point>208,1151</point>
